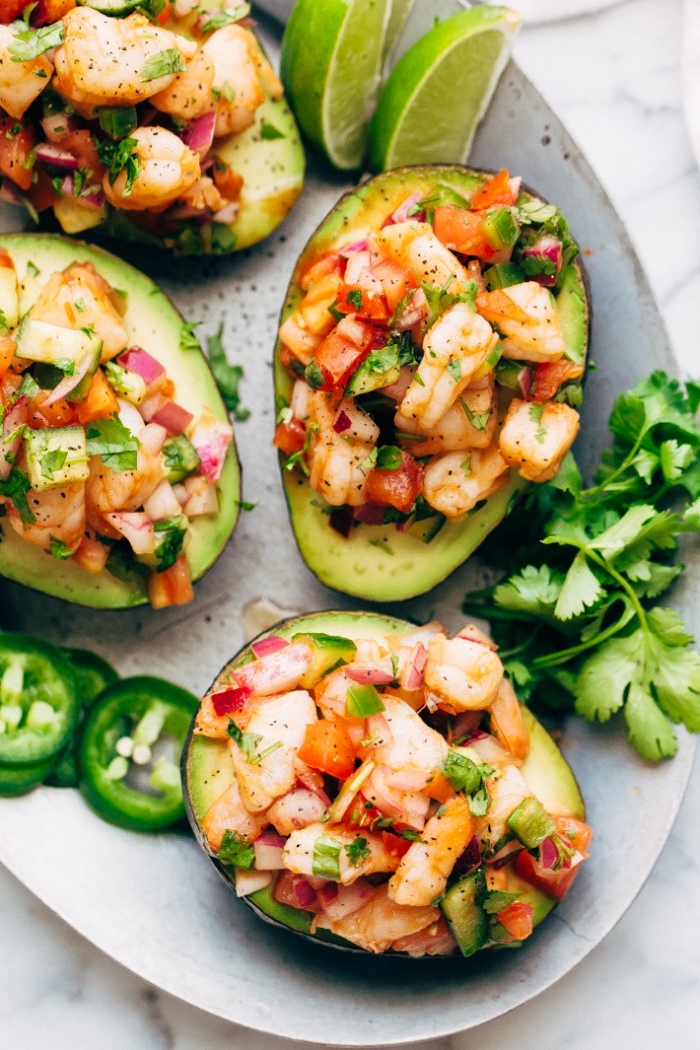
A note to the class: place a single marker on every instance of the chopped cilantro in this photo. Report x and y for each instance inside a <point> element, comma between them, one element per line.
<point>536,412</point>
<point>30,43</point>
<point>32,269</point>
<point>237,850</point>
<point>389,457</point>
<point>59,550</point>
<point>170,536</point>
<point>497,900</point>
<point>16,487</point>
<point>219,19</point>
<point>188,340</point>
<point>455,369</point>
<point>111,440</point>
<point>357,851</point>
<point>162,64</point>
<point>354,297</point>
<point>119,156</point>
<point>477,419</point>
<point>227,376</point>
<point>411,836</point>
<point>270,132</point>
<point>52,461</point>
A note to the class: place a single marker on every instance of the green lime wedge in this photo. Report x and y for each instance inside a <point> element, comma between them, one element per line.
<point>439,90</point>
<point>332,55</point>
<point>398,16</point>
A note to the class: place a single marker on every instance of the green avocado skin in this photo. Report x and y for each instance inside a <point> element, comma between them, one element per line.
<point>376,562</point>
<point>207,770</point>
<point>152,322</point>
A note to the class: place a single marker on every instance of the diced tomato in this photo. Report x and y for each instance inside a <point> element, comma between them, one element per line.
<point>9,387</point>
<point>394,844</point>
<point>439,787</point>
<point>345,349</point>
<point>333,262</point>
<point>163,17</point>
<point>227,181</point>
<point>328,748</point>
<point>7,352</point>
<point>497,190</point>
<point>372,307</point>
<point>398,488</point>
<point>517,919</point>
<point>41,194</point>
<point>41,415</point>
<point>550,375</point>
<point>461,231</point>
<point>100,403</point>
<point>573,832</point>
<point>91,555</point>
<point>82,145</point>
<point>290,437</point>
<point>396,281</point>
<point>498,306</point>
<point>50,11</point>
<point>10,9</point>
<point>172,587</point>
<point>16,144</point>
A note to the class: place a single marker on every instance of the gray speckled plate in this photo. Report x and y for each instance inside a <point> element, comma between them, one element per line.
<point>156,904</point>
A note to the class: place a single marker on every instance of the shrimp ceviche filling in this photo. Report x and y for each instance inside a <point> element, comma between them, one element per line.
<point>111,108</point>
<point>386,786</point>
<point>428,356</point>
<point>99,463</point>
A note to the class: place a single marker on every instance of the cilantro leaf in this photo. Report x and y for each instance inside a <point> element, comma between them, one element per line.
<point>533,590</point>
<point>497,900</point>
<point>219,19</point>
<point>389,457</point>
<point>170,536</point>
<point>30,43</point>
<point>162,64</point>
<point>111,440</point>
<point>580,590</point>
<point>188,340</point>
<point>119,156</point>
<point>648,729</point>
<point>236,849</point>
<point>441,299</point>
<point>357,851</point>
<point>59,550</point>
<point>269,132</point>
<point>15,487</point>
<point>227,376</point>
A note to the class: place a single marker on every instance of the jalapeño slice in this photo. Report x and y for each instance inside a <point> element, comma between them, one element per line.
<point>129,752</point>
<point>92,672</point>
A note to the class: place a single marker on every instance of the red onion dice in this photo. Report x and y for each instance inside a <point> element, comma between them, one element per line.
<point>141,362</point>
<point>369,675</point>
<point>47,153</point>
<point>199,134</point>
<point>226,701</point>
<point>342,423</point>
<point>269,645</point>
<point>173,417</point>
<point>546,249</point>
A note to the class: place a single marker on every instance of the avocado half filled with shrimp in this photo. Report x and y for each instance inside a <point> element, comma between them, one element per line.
<point>427,371</point>
<point>376,785</point>
<point>119,478</point>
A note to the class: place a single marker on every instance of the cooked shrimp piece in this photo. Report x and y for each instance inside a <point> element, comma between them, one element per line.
<point>470,423</point>
<point>229,814</point>
<point>435,939</point>
<point>535,438</point>
<point>20,82</point>
<point>528,320</point>
<point>456,481</point>
<point>507,722</point>
<point>297,809</point>
<point>280,723</point>
<point>423,872</point>
<point>166,170</point>
<point>112,61</point>
<point>59,513</point>
<point>465,674</point>
<point>415,246</point>
<point>189,93</point>
<point>299,852</point>
<point>457,344</point>
<point>407,806</point>
<point>239,67</point>
<point>406,744</point>
<point>108,490</point>
<point>82,284</point>
<point>380,922</point>
<point>507,789</point>
<point>339,469</point>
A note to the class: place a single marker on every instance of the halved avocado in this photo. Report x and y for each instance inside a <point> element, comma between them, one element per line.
<point>377,562</point>
<point>207,771</point>
<point>154,324</point>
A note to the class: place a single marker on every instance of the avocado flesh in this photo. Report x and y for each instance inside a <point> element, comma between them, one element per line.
<point>207,770</point>
<point>153,323</point>
<point>273,173</point>
<point>379,563</point>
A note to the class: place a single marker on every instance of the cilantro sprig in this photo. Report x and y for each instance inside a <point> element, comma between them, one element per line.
<point>117,156</point>
<point>577,619</point>
<point>227,376</point>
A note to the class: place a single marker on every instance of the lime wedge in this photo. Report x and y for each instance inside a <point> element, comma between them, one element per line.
<point>439,90</point>
<point>332,53</point>
<point>398,16</point>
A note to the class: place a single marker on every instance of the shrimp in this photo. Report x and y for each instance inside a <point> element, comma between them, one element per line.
<point>239,69</point>
<point>379,923</point>
<point>454,348</point>
<point>435,939</point>
<point>465,674</point>
<point>507,721</point>
<point>59,513</point>
<point>339,469</point>
<point>507,789</point>
<point>297,809</point>
<point>469,424</point>
<point>189,95</point>
<point>455,482</point>
<point>299,852</point>
<point>415,246</point>
<point>105,61</point>
<point>99,306</point>
<point>229,814</point>
<point>166,170</point>
<point>20,82</point>
<point>529,322</point>
<point>423,872</point>
<point>108,490</point>
<point>535,438</point>
<point>277,725</point>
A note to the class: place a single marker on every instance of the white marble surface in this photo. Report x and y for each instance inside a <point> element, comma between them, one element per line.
<point>615,78</point>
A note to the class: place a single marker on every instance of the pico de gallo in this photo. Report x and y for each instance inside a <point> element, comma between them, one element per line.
<point>428,358</point>
<point>380,786</point>
<point>99,463</point>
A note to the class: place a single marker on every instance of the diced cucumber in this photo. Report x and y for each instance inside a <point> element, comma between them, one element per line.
<point>129,385</point>
<point>179,458</point>
<point>49,344</point>
<point>366,379</point>
<point>9,299</point>
<point>111,7</point>
<point>56,457</point>
<point>503,275</point>
<point>465,916</point>
<point>327,651</point>
<point>531,823</point>
<point>494,356</point>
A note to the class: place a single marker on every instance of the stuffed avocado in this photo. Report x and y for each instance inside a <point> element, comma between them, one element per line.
<point>119,480</point>
<point>153,122</point>
<point>378,786</point>
<point>429,361</point>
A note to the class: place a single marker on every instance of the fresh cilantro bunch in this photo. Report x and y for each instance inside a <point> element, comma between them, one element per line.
<point>577,619</point>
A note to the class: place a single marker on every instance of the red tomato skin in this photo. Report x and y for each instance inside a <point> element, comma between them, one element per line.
<point>328,748</point>
<point>290,437</point>
<point>396,488</point>
<point>372,307</point>
<point>496,191</point>
<point>516,918</point>
<point>15,147</point>
<point>550,375</point>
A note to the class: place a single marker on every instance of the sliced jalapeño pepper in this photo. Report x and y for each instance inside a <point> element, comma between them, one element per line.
<point>39,702</point>
<point>129,752</point>
<point>18,780</point>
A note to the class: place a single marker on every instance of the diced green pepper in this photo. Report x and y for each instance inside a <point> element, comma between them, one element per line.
<point>465,916</point>
<point>531,823</point>
<point>327,652</point>
<point>362,701</point>
<point>117,121</point>
<point>179,458</point>
<point>500,228</point>
<point>503,275</point>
